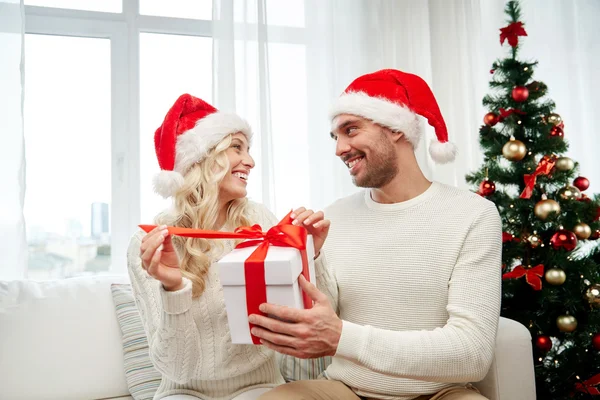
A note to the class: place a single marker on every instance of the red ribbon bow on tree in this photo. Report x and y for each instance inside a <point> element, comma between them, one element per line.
<point>284,234</point>
<point>544,167</point>
<point>590,386</point>
<point>512,33</point>
<point>507,113</point>
<point>532,275</point>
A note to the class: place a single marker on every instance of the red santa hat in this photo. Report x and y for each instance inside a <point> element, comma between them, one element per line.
<point>191,128</point>
<point>393,99</point>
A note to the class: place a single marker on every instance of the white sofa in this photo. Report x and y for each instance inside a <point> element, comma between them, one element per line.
<point>60,340</point>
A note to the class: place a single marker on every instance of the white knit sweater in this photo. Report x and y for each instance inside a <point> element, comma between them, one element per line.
<point>189,339</point>
<point>417,285</point>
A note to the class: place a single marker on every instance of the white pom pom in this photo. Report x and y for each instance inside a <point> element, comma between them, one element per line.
<point>442,153</point>
<point>166,183</point>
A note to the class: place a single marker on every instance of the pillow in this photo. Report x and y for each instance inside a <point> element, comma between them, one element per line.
<point>296,369</point>
<point>142,378</point>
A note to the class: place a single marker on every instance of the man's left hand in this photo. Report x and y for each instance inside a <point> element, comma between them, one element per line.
<point>310,333</point>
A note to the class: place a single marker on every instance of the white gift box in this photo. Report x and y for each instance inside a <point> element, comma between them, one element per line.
<point>283,266</point>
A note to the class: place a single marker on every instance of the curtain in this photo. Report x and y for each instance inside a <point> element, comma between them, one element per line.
<point>13,245</point>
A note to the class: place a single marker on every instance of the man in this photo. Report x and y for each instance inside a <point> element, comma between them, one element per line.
<point>409,277</point>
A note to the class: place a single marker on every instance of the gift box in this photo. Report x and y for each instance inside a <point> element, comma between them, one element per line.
<point>282,268</point>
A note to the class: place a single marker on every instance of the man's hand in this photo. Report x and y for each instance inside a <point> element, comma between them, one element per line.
<point>307,334</point>
<point>315,224</point>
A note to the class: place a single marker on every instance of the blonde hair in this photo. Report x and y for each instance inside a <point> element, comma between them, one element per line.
<point>196,205</point>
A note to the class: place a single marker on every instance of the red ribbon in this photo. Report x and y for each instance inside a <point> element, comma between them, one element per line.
<point>532,275</point>
<point>512,33</point>
<point>590,386</point>
<point>544,167</point>
<point>507,113</point>
<point>284,234</point>
<point>507,237</point>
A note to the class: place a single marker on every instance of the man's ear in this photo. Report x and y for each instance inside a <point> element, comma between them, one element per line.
<point>396,136</point>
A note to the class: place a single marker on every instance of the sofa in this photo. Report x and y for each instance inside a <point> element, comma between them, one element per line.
<point>61,340</point>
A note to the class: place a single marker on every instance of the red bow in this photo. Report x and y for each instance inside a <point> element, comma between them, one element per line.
<point>284,234</point>
<point>590,386</point>
<point>532,275</point>
<point>507,113</point>
<point>512,33</point>
<point>507,237</point>
<point>544,167</point>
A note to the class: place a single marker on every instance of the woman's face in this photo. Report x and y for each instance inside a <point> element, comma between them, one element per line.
<point>233,186</point>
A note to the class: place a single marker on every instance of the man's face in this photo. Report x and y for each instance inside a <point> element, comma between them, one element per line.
<point>366,150</point>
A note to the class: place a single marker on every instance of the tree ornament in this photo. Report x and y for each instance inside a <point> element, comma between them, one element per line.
<point>564,164</point>
<point>544,343</point>
<point>487,187</point>
<point>592,295</point>
<point>534,240</point>
<point>514,150</point>
<point>566,323</point>
<point>581,183</point>
<point>582,231</point>
<point>554,119</point>
<point>545,207</point>
<point>563,239</point>
<point>520,94</point>
<point>557,131</point>
<point>491,119</point>
<point>596,341</point>
<point>595,235</point>
<point>555,276</point>
<point>569,193</point>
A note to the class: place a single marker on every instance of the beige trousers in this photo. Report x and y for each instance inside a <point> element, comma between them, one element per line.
<point>323,389</point>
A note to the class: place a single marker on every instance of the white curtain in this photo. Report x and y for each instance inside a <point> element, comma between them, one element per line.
<point>450,43</point>
<point>13,246</point>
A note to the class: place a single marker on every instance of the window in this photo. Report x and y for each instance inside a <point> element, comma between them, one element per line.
<point>113,6</point>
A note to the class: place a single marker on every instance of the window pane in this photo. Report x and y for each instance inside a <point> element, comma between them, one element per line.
<point>68,154</point>
<point>114,6</point>
<point>195,9</point>
<point>170,65</point>
<point>279,12</point>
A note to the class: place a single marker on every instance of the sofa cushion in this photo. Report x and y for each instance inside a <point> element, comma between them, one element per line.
<point>142,378</point>
<point>60,340</point>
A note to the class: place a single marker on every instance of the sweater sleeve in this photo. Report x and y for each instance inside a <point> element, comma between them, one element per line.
<point>462,350</point>
<point>172,333</point>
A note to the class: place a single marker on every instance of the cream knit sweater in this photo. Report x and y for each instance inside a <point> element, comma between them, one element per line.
<point>189,339</point>
<point>417,285</point>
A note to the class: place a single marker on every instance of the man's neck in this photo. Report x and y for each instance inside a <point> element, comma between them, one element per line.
<point>406,185</point>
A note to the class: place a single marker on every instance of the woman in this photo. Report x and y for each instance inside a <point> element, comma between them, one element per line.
<point>203,155</point>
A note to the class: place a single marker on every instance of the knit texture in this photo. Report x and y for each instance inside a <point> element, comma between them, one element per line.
<point>417,285</point>
<point>189,339</point>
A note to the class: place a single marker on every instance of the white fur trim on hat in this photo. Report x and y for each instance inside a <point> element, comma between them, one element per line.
<point>383,112</point>
<point>193,145</point>
<point>442,153</point>
<point>166,183</point>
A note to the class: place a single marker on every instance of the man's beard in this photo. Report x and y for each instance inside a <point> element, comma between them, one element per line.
<point>381,167</point>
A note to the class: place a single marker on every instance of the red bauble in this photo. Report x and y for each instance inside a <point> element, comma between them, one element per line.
<point>491,119</point>
<point>557,131</point>
<point>487,187</point>
<point>544,343</point>
<point>596,341</point>
<point>492,71</point>
<point>581,183</point>
<point>595,235</point>
<point>584,198</point>
<point>563,239</point>
<point>520,94</point>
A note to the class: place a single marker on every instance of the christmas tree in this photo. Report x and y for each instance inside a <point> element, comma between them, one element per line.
<point>551,272</point>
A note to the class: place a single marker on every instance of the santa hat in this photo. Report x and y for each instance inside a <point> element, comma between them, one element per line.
<point>191,128</point>
<point>393,99</point>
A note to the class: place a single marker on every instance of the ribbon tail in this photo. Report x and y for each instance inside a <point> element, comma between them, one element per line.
<point>256,286</point>
<point>306,273</point>
<point>529,185</point>
<point>534,281</point>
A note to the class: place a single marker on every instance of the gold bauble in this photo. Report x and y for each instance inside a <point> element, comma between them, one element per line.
<point>544,208</point>
<point>566,323</point>
<point>554,119</point>
<point>592,294</point>
<point>564,164</point>
<point>569,193</point>
<point>555,276</point>
<point>514,150</point>
<point>534,240</point>
<point>582,231</point>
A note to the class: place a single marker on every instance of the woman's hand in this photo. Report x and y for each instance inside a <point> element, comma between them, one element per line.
<point>315,223</point>
<point>160,259</point>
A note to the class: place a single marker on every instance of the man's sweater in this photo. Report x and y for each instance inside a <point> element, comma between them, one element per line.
<point>417,285</point>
